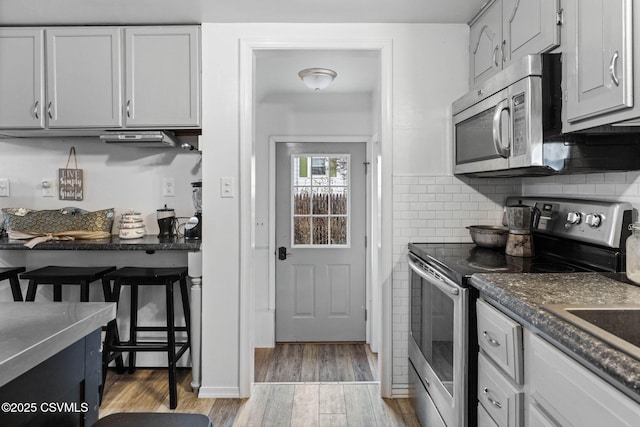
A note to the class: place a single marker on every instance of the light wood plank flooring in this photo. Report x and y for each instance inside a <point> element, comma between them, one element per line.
<point>296,385</point>
<point>300,404</point>
<point>313,362</point>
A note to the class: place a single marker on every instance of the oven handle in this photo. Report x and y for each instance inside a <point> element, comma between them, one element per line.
<point>442,283</point>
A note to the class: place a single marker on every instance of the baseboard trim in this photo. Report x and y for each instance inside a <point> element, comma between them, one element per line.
<point>219,392</point>
<point>400,391</point>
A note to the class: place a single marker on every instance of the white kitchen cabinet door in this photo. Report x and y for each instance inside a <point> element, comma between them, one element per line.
<point>84,87</point>
<point>162,76</point>
<point>570,394</point>
<point>21,78</point>
<point>529,27</point>
<point>598,57</point>
<point>484,44</point>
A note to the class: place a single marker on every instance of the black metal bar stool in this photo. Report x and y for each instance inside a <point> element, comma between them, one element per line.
<point>134,277</point>
<point>11,273</point>
<point>153,419</point>
<point>58,276</point>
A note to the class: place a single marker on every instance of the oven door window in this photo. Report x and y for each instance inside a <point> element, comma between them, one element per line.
<point>432,328</point>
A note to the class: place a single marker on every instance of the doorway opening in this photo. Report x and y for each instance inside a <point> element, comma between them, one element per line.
<point>264,115</point>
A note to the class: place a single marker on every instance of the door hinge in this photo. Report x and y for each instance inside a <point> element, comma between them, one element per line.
<point>365,314</point>
<point>366,167</point>
<point>366,242</point>
<point>560,17</point>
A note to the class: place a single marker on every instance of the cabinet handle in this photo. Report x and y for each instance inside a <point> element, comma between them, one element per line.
<point>490,340</point>
<point>612,69</point>
<point>504,45</point>
<point>36,110</point>
<point>490,399</point>
<point>495,56</point>
<point>49,112</point>
<point>128,108</point>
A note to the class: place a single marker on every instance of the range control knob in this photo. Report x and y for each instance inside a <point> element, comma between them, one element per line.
<point>593,220</point>
<point>574,218</point>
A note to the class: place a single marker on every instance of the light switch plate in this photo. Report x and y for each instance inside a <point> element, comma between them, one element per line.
<point>4,187</point>
<point>227,186</point>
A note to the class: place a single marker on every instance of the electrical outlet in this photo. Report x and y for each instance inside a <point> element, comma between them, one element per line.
<point>168,187</point>
<point>4,187</point>
<point>48,187</point>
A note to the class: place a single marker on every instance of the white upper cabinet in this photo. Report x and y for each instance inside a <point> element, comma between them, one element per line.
<point>598,58</point>
<point>528,27</point>
<point>100,77</point>
<point>485,40</point>
<point>162,76</point>
<point>506,30</point>
<point>84,77</point>
<point>21,78</point>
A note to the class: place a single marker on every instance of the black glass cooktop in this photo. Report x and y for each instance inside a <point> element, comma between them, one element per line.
<point>464,259</point>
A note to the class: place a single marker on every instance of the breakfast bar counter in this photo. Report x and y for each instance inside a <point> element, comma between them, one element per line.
<point>114,243</point>
<point>170,250</point>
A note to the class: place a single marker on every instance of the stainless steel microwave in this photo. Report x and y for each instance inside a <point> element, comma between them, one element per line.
<point>499,127</point>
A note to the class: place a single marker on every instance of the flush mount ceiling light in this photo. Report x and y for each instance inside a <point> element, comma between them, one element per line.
<point>317,78</point>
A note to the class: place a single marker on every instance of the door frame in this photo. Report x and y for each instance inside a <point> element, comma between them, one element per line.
<point>381,238</point>
<point>273,141</point>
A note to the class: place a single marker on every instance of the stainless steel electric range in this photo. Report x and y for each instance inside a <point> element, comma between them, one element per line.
<point>570,235</point>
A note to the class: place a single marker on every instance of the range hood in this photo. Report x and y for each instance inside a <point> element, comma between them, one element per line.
<point>147,139</point>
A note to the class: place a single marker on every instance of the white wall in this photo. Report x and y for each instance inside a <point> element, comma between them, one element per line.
<point>115,177</point>
<point>429,71</point>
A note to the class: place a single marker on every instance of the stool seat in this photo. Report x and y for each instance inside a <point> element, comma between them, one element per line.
<point>11,273</point>
<point>147,274</point>
<point>153,419</point>
<point>144,276</point>
<point>62,275</point>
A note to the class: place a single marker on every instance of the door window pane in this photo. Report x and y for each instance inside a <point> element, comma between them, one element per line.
<point>320,200</point>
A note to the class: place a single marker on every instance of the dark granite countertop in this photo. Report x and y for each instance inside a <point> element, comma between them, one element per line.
<point>523,296</point>
<point>114,243</point>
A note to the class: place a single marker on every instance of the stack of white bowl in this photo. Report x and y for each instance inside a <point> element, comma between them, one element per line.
<point>131,225</point>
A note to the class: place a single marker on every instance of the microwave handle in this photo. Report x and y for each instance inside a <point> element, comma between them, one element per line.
<point>497,129</point>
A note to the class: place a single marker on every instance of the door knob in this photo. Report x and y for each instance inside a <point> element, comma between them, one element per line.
<point>282,253</point>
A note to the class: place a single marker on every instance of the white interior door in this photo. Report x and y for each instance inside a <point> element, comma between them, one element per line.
<point>320,236</point>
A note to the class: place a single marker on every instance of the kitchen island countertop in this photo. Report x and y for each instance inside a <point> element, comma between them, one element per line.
<point>523,295</point>
<point>114,243</point>
<point>33,332</point>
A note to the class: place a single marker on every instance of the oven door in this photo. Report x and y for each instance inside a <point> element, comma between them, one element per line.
<point>438,339</point>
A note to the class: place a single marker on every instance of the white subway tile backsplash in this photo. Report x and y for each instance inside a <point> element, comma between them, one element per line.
<point>615,177</point>
<point>435,209</point>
